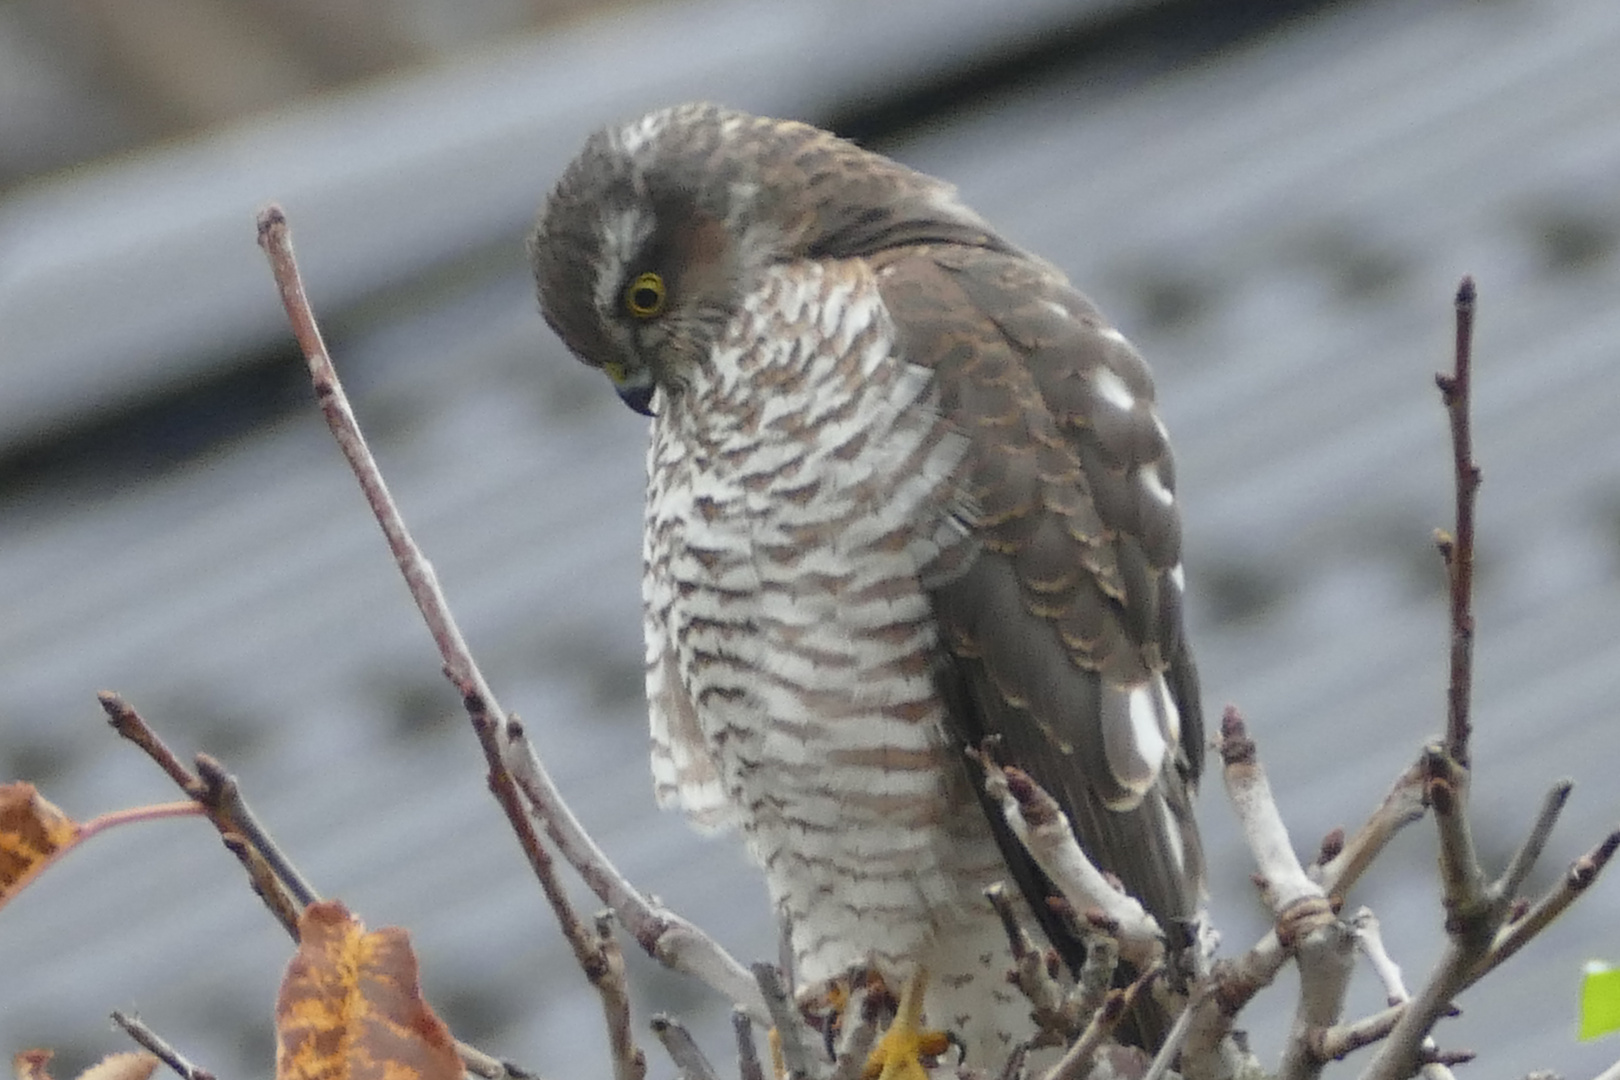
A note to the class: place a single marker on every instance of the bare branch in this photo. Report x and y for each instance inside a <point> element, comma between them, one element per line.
<point>800,1058</point>
<point>1524,859</point>
<point>1370,939</point>
<point>1042,827</point>
<point>223,796</point>
<point>478,1063</point>
<point>275,880</point>
<point>1306,924</point>
<point>1283,879</point>
<point>1516,934</point>
<point>682,1048</point>
<point>1458,549</point>
<point>1471,915</point>
<point>272,875</point>
<point>608,976</point>
<point>1075,1064</point>
<point>1462,882</point>
<point>1174,1040</point>
<point>742,1025</point>
<point>155,1044</point>
<point>1050,1003</point>
<point>672,940</point>
<point>1334,1043</point>
<point>128,724</point>
<point>1401,807</point>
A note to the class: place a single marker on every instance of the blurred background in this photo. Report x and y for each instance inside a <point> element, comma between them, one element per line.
<point>1275,200</point>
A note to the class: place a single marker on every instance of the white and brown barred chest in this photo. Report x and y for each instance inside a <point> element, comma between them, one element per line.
<point>788,631</point>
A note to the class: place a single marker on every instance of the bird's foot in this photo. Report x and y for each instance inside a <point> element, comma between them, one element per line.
<point>899,1054</point>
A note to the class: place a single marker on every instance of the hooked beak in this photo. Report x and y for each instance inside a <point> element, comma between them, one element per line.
<point>635,386</point>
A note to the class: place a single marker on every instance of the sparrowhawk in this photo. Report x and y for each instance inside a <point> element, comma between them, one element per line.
<point>907,491</point>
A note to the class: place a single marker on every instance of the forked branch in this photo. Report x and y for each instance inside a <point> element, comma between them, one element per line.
<point>666,936</point>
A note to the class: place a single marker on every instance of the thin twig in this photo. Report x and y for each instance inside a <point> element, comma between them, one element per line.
<point>488,1066</point>
<point>1458,549</point>
<point>223,796</point>
<point>1173,1042</point>
<point>672,940</point>
<point>1472,913</point>
<point>1462,881</point>
<point>797,1048</point>
<point>1370,939</point>
<point>128,723</point>
<point>274,878</point>
<point>160,1047</point>
<point>608,976</point>
<point>1035,978</point>
<point>1516,934</point>
<point>1040,825</point>
<point>266,886</point>
<point>1096,975</point>
<point>1076,1061</point>
<point>597,954</point>
<point>220,799</point>
<point>1524,859</point>
<point>682,1048</point>
<point>1403,805</point>
<point>1334,1043</point>
<point>748,1066</point>
<point>1473,910</point>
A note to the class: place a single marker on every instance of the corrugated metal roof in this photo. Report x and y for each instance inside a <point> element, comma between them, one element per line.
<point>1279,227</point>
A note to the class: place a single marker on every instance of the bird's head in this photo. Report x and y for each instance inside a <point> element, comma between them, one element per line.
<point>656,231</point>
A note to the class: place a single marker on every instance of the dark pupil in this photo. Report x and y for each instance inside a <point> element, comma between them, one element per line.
<point>645,297</point>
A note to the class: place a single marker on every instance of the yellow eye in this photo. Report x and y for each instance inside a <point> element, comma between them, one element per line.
<point>644,297</point>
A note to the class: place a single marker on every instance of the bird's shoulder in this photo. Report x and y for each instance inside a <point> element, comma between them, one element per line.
<point>1057,405</point>
<point>1069,483</point>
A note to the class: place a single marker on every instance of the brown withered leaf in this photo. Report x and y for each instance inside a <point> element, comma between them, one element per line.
<point>351,1006</point>
<point>32,1064</point>
<point>31,831</point>
<point>131,1065</point>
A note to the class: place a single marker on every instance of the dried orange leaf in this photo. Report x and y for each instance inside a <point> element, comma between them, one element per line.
<point>31,831</point>
<point>132,1065</point>
<point>31,1064</point>
<point>351,1006</point>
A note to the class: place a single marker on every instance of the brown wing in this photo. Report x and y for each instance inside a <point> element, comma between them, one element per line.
<point>1064,634</point>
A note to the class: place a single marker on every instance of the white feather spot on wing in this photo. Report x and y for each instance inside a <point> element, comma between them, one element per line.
<point>1134,736</point>
<point>1153,484</point>
<point>1171,714</point>
<point>1112,389</point>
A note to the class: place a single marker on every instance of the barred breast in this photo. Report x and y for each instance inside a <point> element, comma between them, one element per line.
<point>797,487</point>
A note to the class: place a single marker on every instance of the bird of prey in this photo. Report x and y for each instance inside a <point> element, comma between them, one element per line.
<point>907,492</point>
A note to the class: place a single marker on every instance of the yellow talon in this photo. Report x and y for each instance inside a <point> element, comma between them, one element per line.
<point>899,1054</point>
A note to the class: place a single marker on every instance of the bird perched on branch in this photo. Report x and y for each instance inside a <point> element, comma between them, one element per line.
<point>907,491</point>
